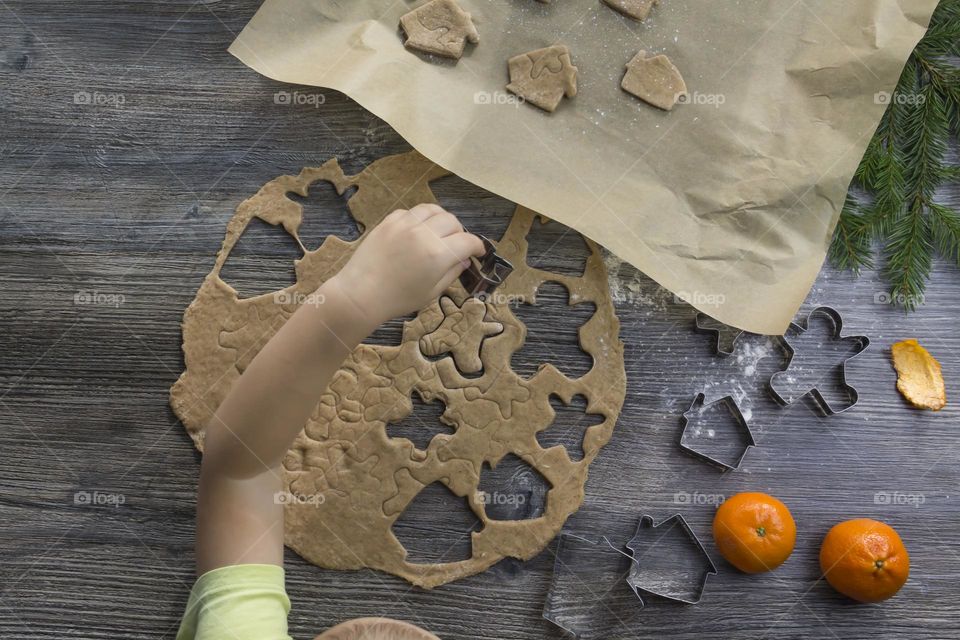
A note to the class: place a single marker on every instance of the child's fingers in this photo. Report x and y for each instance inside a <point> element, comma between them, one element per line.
<point>423,212</point>
<point>451,275</point>
<point>462,245</point>
<point>394,216</point>
<point>444,224</point>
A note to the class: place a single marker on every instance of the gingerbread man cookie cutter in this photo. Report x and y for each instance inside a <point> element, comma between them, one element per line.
<point>861,344</point>
<point>485,273</point>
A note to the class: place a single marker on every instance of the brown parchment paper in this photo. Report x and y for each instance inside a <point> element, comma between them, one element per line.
<point>729,201</point>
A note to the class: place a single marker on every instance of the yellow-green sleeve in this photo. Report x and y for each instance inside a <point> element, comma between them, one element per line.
<point>239,602</point>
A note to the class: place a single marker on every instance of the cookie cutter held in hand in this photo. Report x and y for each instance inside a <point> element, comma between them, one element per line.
<point>822,403</point>
<point>485,273</point>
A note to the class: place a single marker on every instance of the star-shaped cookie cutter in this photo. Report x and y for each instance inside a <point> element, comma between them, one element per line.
<point>487,272</point>
<point>822,403</point>
<point>726,337</point>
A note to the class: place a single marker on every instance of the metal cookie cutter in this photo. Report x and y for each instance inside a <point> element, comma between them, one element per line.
<point>638,579</point>
<point>485,273</point>
<point>697,408</point>
<point>588,595</point>
<point>862,343</point>
<point>589,571</point>
<point>726,336</point>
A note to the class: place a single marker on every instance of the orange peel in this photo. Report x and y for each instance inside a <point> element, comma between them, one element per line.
<point>919,376</point>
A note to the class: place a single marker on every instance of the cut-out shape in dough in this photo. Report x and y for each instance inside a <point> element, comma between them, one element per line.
<point>324,214</point>
<point>569,426</point>
<point>555,247</point>
<point>344,454</point>
<point>555,338</point>
<point>436,526</point>
<point>262,261</point>
<point>480,211</point>
<point>543,77</point>
<point>636,9</point>
<point>654,80</point>
<point>423,423</point>
<point>439,27</point>
<point>461,333</point>
<point>512,490</point>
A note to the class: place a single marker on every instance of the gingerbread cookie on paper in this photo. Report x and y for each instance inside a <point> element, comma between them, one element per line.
<point>543,77</point>
<point>439,27</point>
<point>636,9</point>
<point>654,80</point>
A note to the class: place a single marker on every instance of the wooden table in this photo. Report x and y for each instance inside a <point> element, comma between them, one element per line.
<point>129,136</point>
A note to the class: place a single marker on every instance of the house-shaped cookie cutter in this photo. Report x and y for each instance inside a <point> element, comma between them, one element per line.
<point>697,407</point>
<point>635,578</point>
<point>487,272</point>
<point>822,403</point>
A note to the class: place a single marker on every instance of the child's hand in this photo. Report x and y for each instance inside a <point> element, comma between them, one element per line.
<point>401,266</point>
<point>406,261</point>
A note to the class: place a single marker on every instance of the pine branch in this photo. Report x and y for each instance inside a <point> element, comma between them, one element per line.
<point>945,228</point>
<point>909,257</point>
<point>851,246</point>
<point>951,174</point>
<point>942,39</point>
<point>904,165</point>
<point>926,127</point>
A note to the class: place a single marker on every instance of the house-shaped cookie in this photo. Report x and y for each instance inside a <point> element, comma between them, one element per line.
<point>543,77</point>
<point>654,80</point>
<point>636,9</point>
<point>439,27</point>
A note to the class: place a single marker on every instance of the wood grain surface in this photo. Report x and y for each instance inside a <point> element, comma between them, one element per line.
<point>129,136</point>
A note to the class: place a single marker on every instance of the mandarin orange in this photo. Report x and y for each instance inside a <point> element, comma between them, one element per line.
<point>754,532</point>
<point>864,559</point>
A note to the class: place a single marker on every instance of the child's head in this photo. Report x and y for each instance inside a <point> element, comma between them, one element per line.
<point>376,629</point>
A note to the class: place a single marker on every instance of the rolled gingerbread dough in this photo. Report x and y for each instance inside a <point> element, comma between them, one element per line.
<point>350,480</point>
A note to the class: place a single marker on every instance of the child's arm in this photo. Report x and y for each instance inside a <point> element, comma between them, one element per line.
<point>403,264</point>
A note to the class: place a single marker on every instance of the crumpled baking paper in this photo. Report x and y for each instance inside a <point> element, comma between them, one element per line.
<point>729,200</point>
